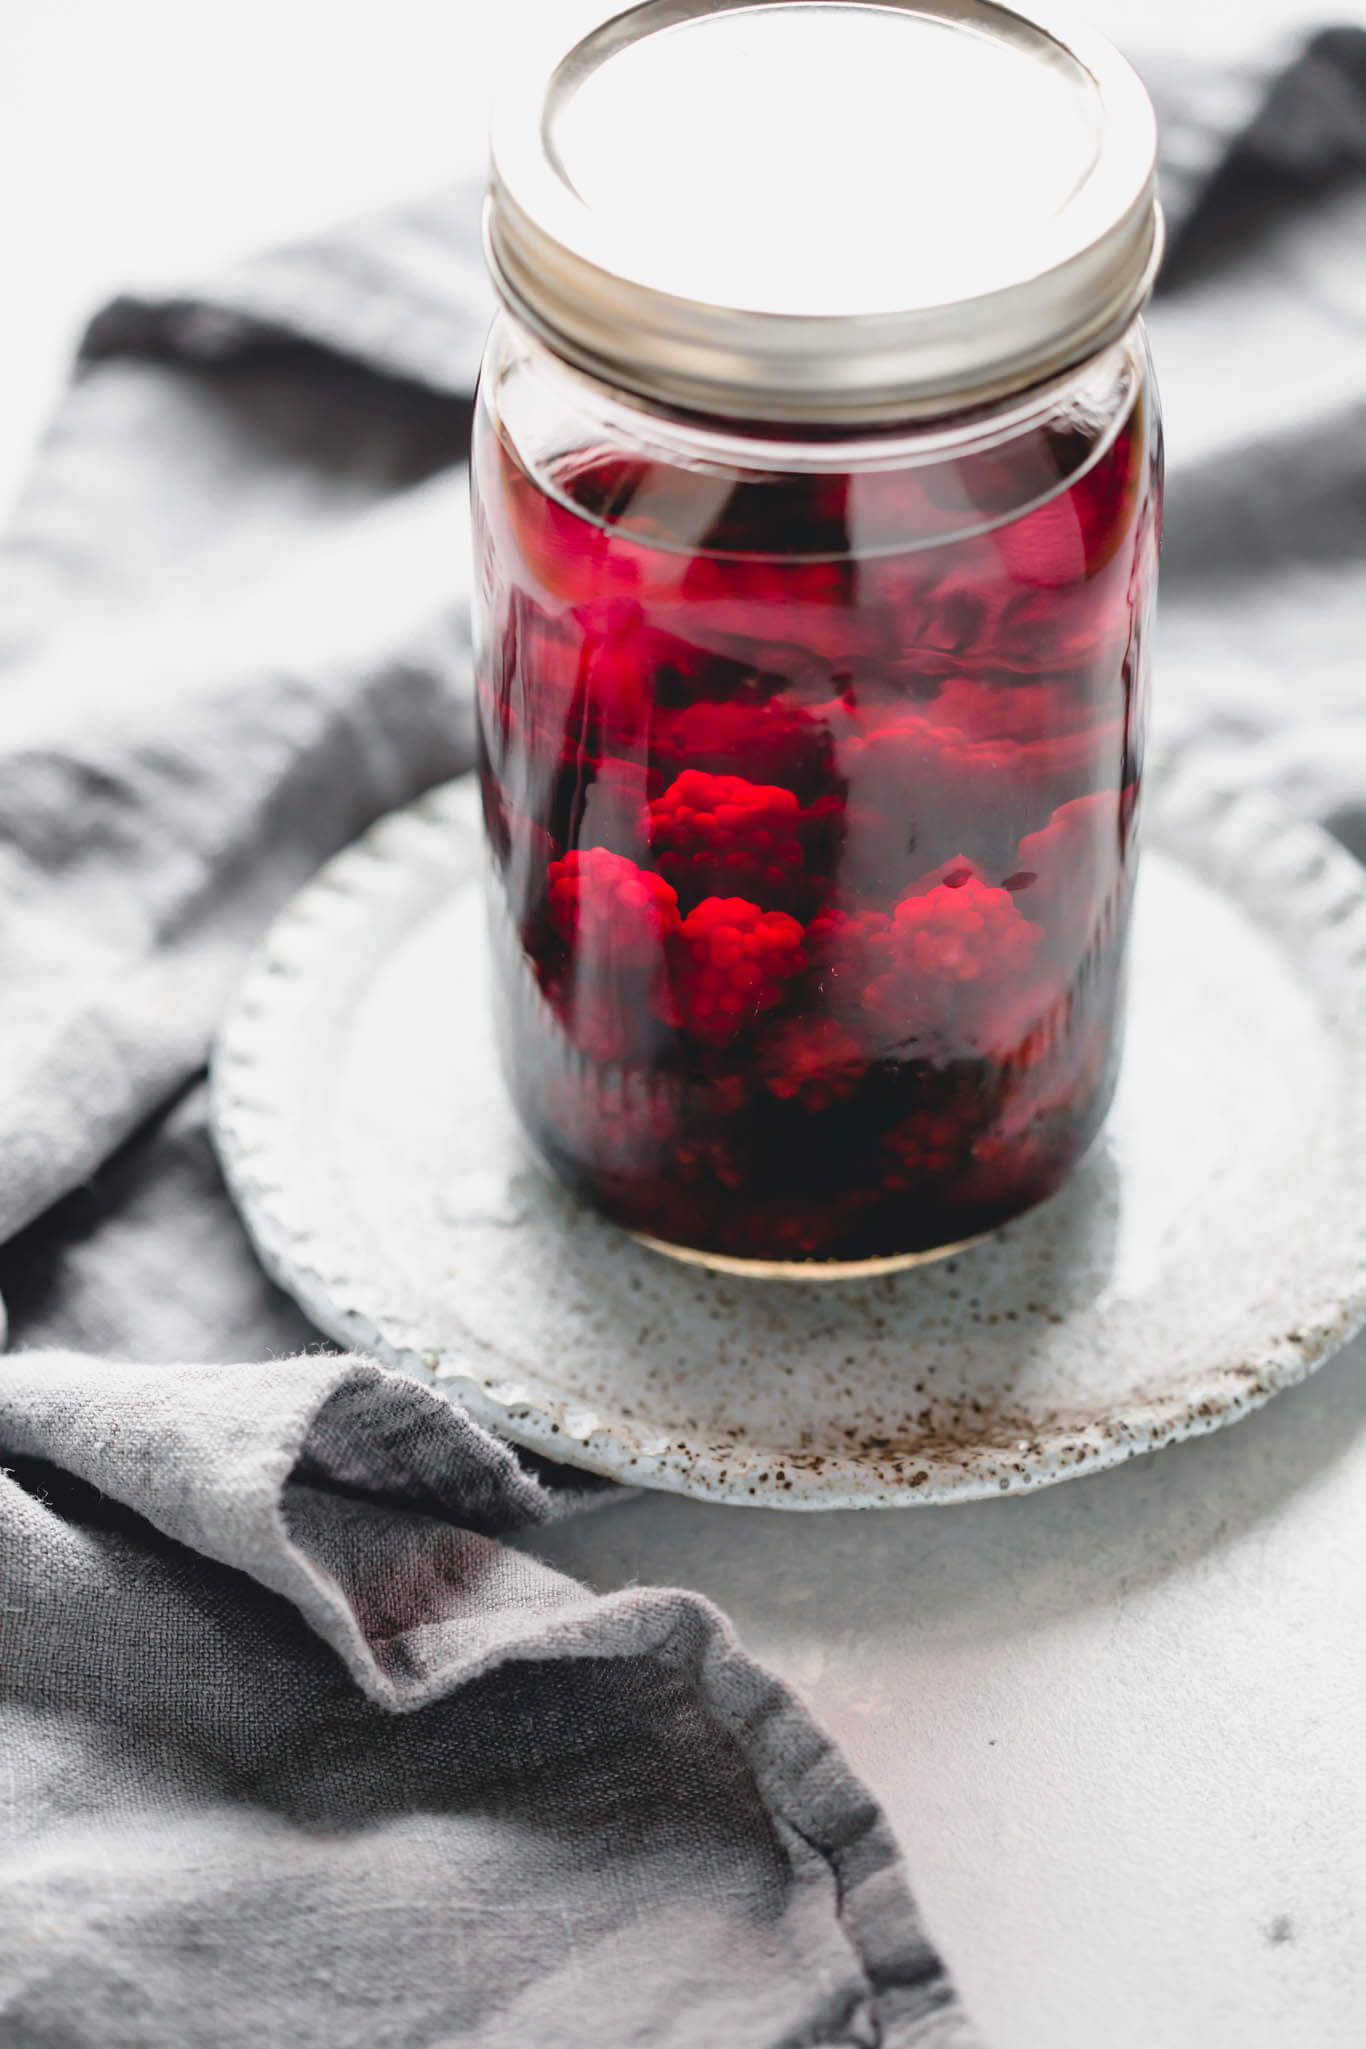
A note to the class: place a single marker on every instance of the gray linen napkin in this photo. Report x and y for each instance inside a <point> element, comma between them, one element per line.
<point>298,1753</point>
<point>293,1750</point>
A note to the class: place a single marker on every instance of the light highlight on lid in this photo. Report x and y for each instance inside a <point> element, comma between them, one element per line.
<point>824,208</point>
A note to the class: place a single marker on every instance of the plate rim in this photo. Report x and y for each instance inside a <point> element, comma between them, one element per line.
<point>1312,901</point>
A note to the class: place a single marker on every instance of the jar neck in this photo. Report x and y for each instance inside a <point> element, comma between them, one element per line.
<point>670,480</point>
<point>1090,391</point>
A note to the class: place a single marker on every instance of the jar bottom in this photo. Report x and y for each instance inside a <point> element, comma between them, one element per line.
<point>806,1269</point>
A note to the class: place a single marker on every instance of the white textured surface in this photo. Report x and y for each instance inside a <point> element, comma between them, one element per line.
<point>1118,1724</point>
<point>1184,1274</point>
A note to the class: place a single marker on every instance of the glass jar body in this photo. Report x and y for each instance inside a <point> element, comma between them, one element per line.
<point>810,771</point>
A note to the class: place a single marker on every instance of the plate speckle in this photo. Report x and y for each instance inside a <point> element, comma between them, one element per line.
<point>1210,1249</point>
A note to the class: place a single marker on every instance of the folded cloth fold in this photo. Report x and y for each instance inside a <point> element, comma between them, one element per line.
<point>304,1754</point>
<point>233,631</point>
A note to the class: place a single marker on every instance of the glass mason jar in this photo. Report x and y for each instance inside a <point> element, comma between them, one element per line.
<point>811,650</point>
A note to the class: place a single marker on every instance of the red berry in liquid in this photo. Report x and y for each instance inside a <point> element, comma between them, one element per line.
<point>809,801</point>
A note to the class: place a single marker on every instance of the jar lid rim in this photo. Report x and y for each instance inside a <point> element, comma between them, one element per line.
<point>806,305</point>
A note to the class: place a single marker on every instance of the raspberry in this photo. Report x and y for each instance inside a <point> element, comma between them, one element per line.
<point>953,954</point>
<point>962,931</point>
<point>710,832</point>
<point>814,1060</point>
<point>610,908</point>
<point>846,949</point>
<point>837,939</point>
<point>617,918</point>
<point>734,962</point>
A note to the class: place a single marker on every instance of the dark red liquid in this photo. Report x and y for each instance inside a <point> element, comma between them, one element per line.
<point>811,811</point>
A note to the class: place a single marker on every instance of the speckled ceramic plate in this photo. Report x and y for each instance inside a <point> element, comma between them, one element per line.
<point>1210,1250</point>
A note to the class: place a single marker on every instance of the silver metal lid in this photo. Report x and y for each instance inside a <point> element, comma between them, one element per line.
<point>833,210</point>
